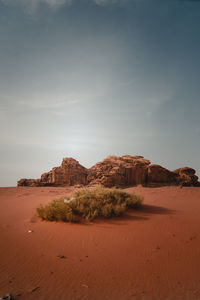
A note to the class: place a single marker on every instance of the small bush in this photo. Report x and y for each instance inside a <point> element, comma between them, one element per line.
<point>89,204</point>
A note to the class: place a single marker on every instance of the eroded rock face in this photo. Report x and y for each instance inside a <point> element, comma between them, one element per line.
<point>116,171</point>
<point>119,171</point>
<point>158,176</point>
<point>69,173</point>
<point>28,182</point>
<point>186,177</point>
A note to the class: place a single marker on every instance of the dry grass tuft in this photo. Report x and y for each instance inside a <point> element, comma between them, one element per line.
<point>89,204</point>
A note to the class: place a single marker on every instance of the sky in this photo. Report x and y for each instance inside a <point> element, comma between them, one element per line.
<point>92,78</point>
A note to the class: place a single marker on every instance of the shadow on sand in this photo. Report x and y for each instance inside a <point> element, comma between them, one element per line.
<point>152,209</point>
<point>142,214</point>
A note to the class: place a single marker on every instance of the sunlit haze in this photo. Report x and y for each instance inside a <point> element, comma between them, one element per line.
<point>90,78</point>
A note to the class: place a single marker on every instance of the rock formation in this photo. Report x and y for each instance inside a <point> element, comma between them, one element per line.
<point>114,171</point>
<point>157,175</point>
<point>186,177</point>
<point>119,171</point>
<point>69,173</point>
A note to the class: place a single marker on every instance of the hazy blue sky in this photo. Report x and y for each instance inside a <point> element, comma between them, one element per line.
<point>86,78</point>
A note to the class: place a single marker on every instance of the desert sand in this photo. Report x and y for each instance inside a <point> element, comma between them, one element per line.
<point>152,253</point>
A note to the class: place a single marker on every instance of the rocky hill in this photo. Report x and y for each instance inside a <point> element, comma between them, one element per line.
<point>114,171</point>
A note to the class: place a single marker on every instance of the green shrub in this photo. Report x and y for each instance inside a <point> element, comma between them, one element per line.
<point>89,203</point>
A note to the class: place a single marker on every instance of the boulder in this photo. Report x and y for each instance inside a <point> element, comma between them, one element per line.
<point>186,177</point>
<point>28,182</point>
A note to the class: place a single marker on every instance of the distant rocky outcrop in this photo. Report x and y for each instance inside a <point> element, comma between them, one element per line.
<point>114,171</point>
<point>69,173</point>
<point>157,175</point>
<point>119,171</point>
<point>186,177</point>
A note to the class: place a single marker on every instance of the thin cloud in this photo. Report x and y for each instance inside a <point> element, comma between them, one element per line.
<point>31,6</point>
<point>48,105</point>
<point>51,3</point>
<point>106,2</point>
<point>110,2</point>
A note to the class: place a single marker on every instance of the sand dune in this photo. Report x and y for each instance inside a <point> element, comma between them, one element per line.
<point>153,253</point>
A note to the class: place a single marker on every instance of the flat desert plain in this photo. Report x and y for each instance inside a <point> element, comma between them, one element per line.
<point>152,253</point>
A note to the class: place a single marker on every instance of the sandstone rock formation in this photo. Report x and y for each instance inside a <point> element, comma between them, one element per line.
<point>186,177</point>
<point>119,171</point>
<point>157,175</point>
<point>69,173</point>
<point>114,171</point>
<point>29,182</point>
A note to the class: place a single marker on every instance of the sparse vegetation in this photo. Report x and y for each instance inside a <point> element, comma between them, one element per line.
<point>89,203</point>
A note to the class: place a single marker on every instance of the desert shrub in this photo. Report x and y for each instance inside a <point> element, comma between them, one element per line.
<point>89,203</point>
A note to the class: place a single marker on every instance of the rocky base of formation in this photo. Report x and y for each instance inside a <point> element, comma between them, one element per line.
<point>114,171</point>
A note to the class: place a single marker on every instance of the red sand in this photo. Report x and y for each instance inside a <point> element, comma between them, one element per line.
<point>153,253</point>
